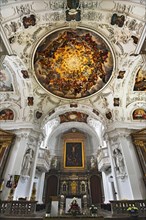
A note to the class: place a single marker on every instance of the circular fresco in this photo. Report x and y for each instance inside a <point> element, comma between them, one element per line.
<point>73,64</point>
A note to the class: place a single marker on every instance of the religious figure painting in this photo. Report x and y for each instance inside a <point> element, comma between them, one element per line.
<point>139,114</point>
<point>140,80</point>
<point>5,81</point>
<point>74,155</point>
<point>73,116</point>
<point>73,64</point>
<point>6,114</point>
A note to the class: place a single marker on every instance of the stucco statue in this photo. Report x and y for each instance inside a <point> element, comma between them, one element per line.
<point>119,161</point>
<point>92,162</point>
<point>54,162</point>
<point>26,164</point>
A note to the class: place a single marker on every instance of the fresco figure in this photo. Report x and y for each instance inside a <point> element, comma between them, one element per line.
<point>6,114</point>
<point>139,114</point>
<point>5,81</point>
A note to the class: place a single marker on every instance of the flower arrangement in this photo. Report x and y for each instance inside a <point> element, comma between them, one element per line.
<point>132,209</point>
<point>93,210</point>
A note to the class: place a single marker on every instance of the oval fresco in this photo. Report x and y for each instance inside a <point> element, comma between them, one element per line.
<point>73,64</point>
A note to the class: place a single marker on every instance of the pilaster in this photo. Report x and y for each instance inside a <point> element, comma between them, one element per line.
<point>124,163</point>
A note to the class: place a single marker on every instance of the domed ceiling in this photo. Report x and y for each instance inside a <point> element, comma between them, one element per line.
<point>73,64</point>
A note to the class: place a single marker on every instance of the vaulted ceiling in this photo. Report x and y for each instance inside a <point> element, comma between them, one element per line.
<point>73,64</point>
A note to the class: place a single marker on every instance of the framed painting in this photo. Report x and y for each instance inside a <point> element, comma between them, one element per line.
<point>74,154</point>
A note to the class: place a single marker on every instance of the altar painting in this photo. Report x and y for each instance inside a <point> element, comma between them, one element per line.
<point>74,155</point>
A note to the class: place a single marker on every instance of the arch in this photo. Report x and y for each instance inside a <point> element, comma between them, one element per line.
<point>86,109</point>
<point>133,107</point>
<point>94,125</point>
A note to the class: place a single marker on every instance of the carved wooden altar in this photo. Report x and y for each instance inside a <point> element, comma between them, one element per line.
<point>67,185</point>
<point>17,208</point>
<point>74,176</point>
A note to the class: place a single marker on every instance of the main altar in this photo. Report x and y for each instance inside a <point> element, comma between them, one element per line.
<point>73,176</point>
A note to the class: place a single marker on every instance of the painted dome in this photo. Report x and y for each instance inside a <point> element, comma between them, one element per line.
<point>73,64</point>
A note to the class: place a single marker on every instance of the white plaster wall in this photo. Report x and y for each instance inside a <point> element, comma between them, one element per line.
<point>125,191</point>
<point>22,188</point>
<point>40,186</point>
<point>54,208</point>
<point>108,194</point>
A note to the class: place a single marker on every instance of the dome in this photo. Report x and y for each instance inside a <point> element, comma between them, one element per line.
<point>73,64</point>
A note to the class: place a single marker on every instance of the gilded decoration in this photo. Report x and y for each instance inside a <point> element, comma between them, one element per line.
<point>73,63</point>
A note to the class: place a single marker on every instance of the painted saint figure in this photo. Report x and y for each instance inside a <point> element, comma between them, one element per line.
<point>74,154</point>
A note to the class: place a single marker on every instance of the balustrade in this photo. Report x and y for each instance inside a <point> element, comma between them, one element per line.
<point>15,208</point>
<point>120,207</point>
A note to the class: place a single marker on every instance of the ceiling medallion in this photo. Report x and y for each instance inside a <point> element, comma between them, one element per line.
<point>73,64</point>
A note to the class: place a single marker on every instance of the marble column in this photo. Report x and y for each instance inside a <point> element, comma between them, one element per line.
<point>127,178</point>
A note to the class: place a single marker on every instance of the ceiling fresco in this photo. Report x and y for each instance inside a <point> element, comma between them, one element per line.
<point>73,64</point>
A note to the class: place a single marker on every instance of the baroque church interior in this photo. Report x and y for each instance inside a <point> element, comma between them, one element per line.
<point>72,108</point>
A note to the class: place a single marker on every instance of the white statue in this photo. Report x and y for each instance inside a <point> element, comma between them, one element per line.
<point>54,162</point>
<point>26,164</point>
<point>119,161</point>
<point>92,162</point>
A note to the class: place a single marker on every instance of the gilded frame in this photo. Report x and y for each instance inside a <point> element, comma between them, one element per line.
<point>74,154</point>
<point>6,140</point>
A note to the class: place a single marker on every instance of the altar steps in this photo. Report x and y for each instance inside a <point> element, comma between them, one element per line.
<point>68,218</point>
<point>20,218</point>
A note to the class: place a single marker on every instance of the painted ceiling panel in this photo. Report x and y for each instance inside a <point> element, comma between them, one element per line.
<point>26,23</point>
